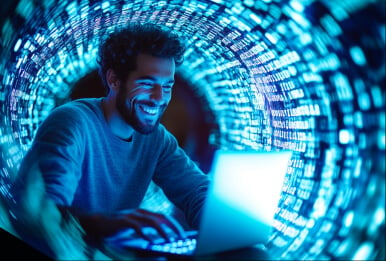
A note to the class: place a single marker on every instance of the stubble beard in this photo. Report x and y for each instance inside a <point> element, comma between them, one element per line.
<point>127,111</point>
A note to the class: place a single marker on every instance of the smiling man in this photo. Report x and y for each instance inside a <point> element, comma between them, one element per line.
<point>97,156</point>
<point>143,97</point>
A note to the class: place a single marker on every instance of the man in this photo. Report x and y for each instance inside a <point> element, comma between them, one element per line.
<point>98,156</point>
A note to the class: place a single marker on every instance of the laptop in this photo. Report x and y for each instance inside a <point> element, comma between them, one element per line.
<point>239,210</point>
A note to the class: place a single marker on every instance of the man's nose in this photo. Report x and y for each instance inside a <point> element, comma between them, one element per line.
<point>157,92</point>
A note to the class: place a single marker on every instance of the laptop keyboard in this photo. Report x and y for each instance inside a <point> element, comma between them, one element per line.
<point>181,246</point>
<point>126,239</point>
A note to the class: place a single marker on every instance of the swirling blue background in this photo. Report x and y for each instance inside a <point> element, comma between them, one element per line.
<point>303,75</point>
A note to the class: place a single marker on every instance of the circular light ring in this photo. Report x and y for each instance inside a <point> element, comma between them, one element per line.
<point>277,75</point>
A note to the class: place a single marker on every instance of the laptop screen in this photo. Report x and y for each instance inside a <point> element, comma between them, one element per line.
<point>243,198</point>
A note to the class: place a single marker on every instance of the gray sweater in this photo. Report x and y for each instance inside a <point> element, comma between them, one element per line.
<point>87,167</point>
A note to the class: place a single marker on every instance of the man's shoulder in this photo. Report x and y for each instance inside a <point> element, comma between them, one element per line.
<point>70,117</point>
<point>162,130</point>
<point>81,103</point>
<point>73,112</point>
<point>78,106</point>
<point>162,134</point>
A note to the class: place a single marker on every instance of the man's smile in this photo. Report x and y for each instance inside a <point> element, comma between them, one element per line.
<point>151,110</point>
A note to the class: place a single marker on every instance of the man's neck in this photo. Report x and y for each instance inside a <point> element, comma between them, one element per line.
<point>117,125</point>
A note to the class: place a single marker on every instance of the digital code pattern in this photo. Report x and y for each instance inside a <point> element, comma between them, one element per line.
<point>303,75</point>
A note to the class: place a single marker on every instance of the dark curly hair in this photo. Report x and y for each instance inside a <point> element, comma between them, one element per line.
<point>119,51</point>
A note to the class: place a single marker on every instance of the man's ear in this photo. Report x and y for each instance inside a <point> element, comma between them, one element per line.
<point>112,80</point>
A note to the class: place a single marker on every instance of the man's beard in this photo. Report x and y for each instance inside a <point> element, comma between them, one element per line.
<point>130,117</point>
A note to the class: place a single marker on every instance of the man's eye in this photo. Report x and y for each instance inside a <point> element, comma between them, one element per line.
<point>147,84</point>
<point>167,87</point>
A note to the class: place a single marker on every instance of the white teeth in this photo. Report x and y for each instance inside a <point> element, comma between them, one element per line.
<point>150,110</point>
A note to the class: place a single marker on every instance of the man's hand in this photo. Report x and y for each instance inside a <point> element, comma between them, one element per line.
<point>165,226</point>
<point>148,225</point>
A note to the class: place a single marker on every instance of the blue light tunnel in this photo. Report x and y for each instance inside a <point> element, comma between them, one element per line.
<point>303,75</point>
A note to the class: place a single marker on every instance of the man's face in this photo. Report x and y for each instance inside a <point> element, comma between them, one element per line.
<point>143,98</point>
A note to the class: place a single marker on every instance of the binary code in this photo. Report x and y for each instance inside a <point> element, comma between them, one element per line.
<point>303,75</point>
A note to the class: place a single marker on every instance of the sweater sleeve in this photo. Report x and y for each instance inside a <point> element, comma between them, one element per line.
<point>56,151</point>
<point>181,179</point>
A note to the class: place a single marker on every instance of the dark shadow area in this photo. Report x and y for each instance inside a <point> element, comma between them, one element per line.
<point>89,86</point>
<point>19,250</point>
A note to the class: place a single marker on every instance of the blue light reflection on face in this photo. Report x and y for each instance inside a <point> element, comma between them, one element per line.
<point>304,76</point>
